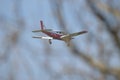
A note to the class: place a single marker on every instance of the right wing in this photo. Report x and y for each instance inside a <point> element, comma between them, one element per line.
<point>42,37</point>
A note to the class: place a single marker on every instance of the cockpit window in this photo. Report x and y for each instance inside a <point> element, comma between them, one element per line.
<point>59,32</point>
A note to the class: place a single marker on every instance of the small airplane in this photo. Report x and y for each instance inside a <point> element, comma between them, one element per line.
<point>58,35</point>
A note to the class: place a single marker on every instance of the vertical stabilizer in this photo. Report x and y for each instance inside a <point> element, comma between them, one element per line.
<point>41,25</point>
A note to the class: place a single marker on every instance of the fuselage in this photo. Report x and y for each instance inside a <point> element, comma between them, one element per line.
<point>54,35</point>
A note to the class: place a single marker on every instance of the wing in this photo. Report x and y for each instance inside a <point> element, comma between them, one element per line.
<point>42,37</point>
<point>77,33</point>
<point>69,36</point>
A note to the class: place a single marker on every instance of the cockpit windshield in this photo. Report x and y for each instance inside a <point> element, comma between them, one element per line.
<point>60,32</point>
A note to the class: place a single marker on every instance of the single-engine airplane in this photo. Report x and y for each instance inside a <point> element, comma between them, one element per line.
<point>58,35</point>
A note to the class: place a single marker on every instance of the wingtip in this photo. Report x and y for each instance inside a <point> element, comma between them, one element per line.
<point>85,31</point>
<point>33,31</point>
<point>33,37</point>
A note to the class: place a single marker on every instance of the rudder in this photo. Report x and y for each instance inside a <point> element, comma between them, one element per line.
<point>41,24</point>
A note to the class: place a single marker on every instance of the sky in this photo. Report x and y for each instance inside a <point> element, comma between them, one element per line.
<point>38,62</point>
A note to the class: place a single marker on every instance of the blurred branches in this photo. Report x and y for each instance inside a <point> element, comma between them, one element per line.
<point>99,49</point>
<point>12,34</point>
<point>99,10</point>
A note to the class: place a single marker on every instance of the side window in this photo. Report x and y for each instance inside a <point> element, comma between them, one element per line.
<point>59,32</point>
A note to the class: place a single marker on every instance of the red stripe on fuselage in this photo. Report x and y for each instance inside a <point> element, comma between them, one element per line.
<point>54,35</point>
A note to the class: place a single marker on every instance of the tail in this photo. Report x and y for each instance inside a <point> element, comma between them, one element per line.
<point>41,25</point>
<point>42,28</point>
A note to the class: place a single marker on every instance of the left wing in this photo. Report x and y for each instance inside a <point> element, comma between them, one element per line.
<point>42,37</point>
<point>77,33</point>
<point>73,34</point>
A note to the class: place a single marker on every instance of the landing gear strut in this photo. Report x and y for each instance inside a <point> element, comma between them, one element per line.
<point>50,42</point>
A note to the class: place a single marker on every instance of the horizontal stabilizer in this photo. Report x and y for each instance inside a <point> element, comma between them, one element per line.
<point>37,31</point>
<point>42,30</point>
